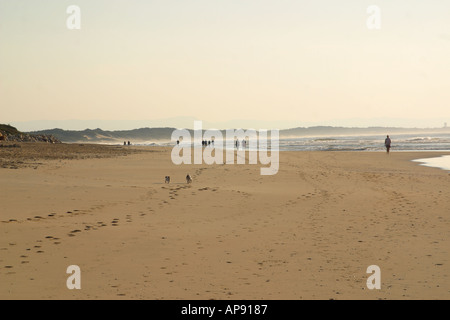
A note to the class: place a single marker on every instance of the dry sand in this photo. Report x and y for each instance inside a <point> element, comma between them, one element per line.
<point>309,232</point>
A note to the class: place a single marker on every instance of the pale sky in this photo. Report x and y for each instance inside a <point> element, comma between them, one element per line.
<point>219,60</point>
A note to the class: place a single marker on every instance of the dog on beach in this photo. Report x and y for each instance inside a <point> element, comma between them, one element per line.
<point>167,180</point>
<point>188,179</point>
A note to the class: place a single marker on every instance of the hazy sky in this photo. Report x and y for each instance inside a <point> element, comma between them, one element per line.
<point>219,60</point>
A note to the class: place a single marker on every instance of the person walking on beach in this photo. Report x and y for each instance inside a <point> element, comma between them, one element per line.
<point>387,143</point>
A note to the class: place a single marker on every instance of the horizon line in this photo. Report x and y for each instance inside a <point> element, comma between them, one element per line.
<point>248,128</point>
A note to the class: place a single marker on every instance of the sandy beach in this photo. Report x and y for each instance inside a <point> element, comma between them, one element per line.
<point>308,232</point>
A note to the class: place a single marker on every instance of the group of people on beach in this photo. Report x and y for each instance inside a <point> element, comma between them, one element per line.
<point>206,143</point>
<point>125,143</point>
<point>243,144</point>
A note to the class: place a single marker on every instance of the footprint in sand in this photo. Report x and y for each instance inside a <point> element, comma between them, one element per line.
<point>101,224</point>
<point>71,233</point>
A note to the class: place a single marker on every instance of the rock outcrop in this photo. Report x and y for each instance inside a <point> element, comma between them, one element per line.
<point>9,133</point>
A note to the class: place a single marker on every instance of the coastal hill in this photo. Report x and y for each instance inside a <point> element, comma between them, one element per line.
<point>164,134</point>
<point>348,131</point>
<point>99,135</point>
<point>10,133</point>
<point>7,129</point>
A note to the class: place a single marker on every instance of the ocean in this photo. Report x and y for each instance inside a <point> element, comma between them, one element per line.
<point>401,142</point>
<point>405,142</point>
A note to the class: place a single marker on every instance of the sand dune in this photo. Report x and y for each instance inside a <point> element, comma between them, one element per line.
<point>308,232</point>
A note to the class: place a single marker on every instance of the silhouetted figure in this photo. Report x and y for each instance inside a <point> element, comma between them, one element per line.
<point>129,143</point>
<point>178,142</point>
<point>124,143</point>
<point>387,144</point>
